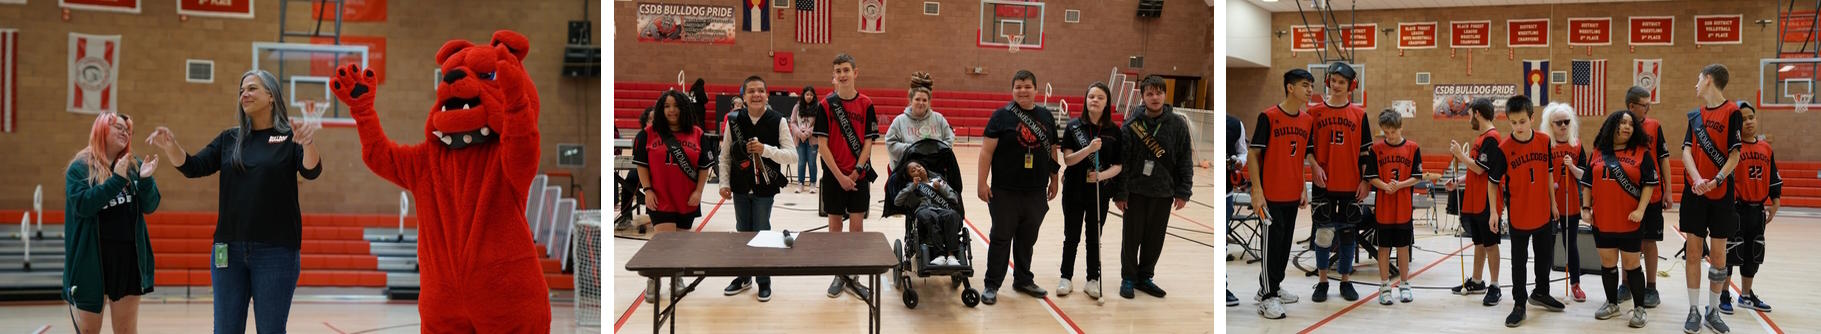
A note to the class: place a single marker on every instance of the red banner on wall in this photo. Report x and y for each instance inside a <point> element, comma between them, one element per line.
<point>1587,31</point>
<point>1653,30</point>
<point>1307,38</point>
<point>1719,29</point>
<point>355,11</point>
<point>324,65</point>
<point>240,9</point>
<point>1363,36</point>
<point>1419,35</point>
<point>1527,33</point>
<point>124,6</point>
<point>1470,34</point>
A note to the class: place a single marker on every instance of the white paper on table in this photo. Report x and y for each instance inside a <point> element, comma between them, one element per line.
<point>768,239</point>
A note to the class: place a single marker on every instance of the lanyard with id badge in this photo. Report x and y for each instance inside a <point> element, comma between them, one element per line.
<point>220,255</point>
<point>1150,143</point>
<point>1043,139</point>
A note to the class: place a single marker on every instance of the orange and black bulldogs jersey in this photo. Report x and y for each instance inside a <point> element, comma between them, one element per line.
<point>1615,182</point>
<point>1653,134</point>
<point>1713,134</point>
<point>1283,140</point>
<point>1484,150</point>
<point>1567,190</point>
<point>1525,177</point>
<point>1341,137</point>
<point>1758,180</point>
<point>1392,163</point>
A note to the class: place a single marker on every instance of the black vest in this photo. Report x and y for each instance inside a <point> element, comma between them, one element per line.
<point>740,165</point>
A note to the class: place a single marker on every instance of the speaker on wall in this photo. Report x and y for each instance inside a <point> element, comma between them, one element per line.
<point>581,32</point>
<point>1150,8</point>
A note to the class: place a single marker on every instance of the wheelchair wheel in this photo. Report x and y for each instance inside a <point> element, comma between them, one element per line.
<point>910,299</point>
<point>970,297</point>
<point>898,270</point>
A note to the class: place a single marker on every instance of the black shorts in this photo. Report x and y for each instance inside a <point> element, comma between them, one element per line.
<point>1748,245</point>
<point>120,270</point>
<point>683,221</point>
<point>837,201</point>
<point>1476,225</point>
<point>1652,226</point>
<point>1394,236</point>
<point>1705,217</point>
<point>1628,243</point>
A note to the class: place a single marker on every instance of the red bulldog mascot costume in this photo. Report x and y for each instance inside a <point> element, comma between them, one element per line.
<point>479,267</point>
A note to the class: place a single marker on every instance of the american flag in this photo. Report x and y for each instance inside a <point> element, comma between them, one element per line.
<point>813,21</point>
<point>1589,87</point>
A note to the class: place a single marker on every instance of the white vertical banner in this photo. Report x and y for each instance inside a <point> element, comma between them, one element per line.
<point>872,16</point>
<point>94,62</point>
<point>1645,73</point>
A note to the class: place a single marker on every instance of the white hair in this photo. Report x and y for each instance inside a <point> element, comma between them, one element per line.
<point>1574,123</point>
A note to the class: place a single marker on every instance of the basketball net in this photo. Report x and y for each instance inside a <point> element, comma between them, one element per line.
<point>1802,101</point>
<point>1017,40</point>
<point>313,111</point>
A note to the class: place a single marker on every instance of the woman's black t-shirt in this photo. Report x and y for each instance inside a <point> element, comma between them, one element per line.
<point>1076,137</point>
<point>258,197</point>
<point>118,217</point>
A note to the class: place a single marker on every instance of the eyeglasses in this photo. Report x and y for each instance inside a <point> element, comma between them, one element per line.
<point>1562,123</point>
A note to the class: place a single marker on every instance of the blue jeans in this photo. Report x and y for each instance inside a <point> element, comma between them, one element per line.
<point>752,214</point>
<point>262,273</point>
<point>806,162</point>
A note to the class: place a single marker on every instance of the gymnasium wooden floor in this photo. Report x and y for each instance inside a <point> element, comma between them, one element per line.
<point>799,304</point>
<point>314,310</point>
<point>1793,237</point>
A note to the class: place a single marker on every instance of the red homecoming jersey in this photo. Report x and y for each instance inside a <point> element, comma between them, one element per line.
<point>1525,178</point>
<point>1721,126</point>
<point>1653,134</point>
<point>1392,163</point>
<point>1567,191</point>
<point>1283,140</point>
<point>1758,180</point>
<point>1615,183</point>
<point>1341,137</point>
<point>1483,149</point>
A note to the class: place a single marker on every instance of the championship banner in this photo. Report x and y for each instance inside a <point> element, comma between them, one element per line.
<point>1653,30</point>
<point>1718,29</point>
<point>1451,100</point>
<point>1470,34</point>
<point>352,11</point>
<point>121,6</point>
<point>12,2</point>
<point>239,9</point>
<point>1307,38</point>
<point>683,23</point>
<point>1589,31</point>
<point>1529,33</point>
<point>94,64</point>
<point>9,79</point>
<point>1363,36</point>
<point>1536,81</point>
<point>872,16</point>
<point>754,15</point>
<point>1645,73</point>
<point>1416,35</point>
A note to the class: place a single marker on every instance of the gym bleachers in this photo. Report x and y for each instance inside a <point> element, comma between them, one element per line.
<point>966,112</point>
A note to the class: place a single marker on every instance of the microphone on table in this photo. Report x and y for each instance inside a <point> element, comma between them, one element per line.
<point>789,241</point>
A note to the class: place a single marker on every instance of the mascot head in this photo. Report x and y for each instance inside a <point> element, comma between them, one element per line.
<point>471,98</point>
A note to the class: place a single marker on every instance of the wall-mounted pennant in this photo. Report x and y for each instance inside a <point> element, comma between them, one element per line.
<point>872,16</point>
<point>94,68</point>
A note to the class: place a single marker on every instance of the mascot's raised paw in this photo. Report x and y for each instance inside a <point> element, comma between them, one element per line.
<point>354,86</point>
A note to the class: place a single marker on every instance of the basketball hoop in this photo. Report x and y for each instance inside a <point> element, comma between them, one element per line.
<point>313,111</point>
<point>1802,101</point>
<point>1016,41</point>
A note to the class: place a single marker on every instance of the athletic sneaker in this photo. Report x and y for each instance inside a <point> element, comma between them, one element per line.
<point>1149,287</point>
<point>1062,289</point>
<point>1125,289</point>
<point>1029,288</point>
<point>764,294</point>
<point>736,287</point>
<point>1321,293</point>
<point>1693,324</point>
<point>1093,290</point>
<point>1650,298</point>
<point>1283,296</point>
<point>1404,295</point>
<point>1470,287</point>
<point>990,297</point>
<point>1346,291</point>
<point>1625,292</point>
<point>1714,323</point>
<point>1384,295</point>
<point>1547,302</point>
<point>1231,300</point>
<point>1271,308</point>
<point>1638,317</point>
<point>1516,318</point>
<point>858,291</point>
<point>1492,297</point>
<point>651,291</point>
<point>1579,297</point>
<point>834,289</point>
<point>1750,301</point>
<point>1607,311</point>
<point>1726,302</point>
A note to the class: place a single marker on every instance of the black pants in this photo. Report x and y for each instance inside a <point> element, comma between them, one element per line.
<point>1017,215</point>
<point>1277,246</point>
<point>1542,241</point>
<point>1146,220</point>
<point>1746,249</point>
<point>941,230</point>
<point>1079,209</point>
<point>1571,235</point>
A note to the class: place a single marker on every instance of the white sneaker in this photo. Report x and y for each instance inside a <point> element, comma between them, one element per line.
<point>1093,288</point>
<point>1403,293</point>
<point>954,261</point>
<point>1271,308</point>
<point>939,261</point>
<point>1063,288</point>
<point>1283,296</point>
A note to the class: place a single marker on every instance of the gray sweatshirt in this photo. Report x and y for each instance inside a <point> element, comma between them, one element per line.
<point>906,130</point>
<point>914,196</point>
<point>1169,163</point>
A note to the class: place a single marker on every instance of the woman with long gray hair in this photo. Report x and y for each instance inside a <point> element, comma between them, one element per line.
<point>259,231</point>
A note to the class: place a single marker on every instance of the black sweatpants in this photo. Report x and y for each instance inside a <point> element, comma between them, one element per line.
<point>941,230</point>
<point>1277,246</point>
<point>1146,220</point>
<point>1016,217</point>
<point>1542,242</point>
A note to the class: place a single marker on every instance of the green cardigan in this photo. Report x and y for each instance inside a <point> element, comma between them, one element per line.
<point>82,233</point>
